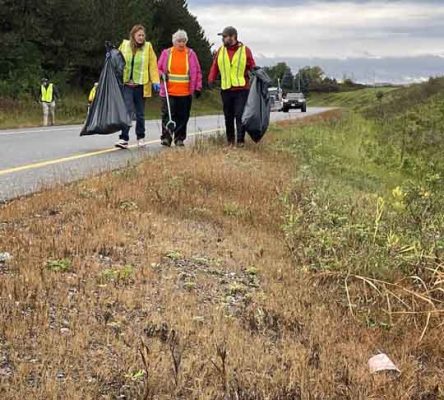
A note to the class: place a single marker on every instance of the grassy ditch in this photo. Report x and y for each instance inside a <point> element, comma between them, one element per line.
<point>270,272</point>
<point>73,106</point>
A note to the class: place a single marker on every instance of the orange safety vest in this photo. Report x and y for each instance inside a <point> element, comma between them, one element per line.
<point>178,72</point>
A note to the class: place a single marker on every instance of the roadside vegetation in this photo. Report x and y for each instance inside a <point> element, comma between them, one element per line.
<point>273,272</point>
<point>72,109</point>
<point>356,99</point>
<point>384,101</point>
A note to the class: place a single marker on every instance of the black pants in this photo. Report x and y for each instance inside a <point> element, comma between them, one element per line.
<point>180,113</point>
<point>234,102</point>
<point>135,103</point>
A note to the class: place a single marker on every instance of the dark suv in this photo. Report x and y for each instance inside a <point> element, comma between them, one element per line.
<point>295,101</point>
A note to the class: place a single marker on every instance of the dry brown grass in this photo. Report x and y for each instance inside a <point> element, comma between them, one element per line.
<point>178,284</point>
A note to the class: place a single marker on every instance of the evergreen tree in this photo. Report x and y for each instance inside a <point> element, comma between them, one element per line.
<point>64,39</point>
<point>171,15</point>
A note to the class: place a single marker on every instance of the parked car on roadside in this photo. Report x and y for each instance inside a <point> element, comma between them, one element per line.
<point>294,101</point>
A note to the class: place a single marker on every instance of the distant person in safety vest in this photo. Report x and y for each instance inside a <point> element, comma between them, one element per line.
<point>92,96</point>
<point>233,62</point>
<point>92,93</point>
<point>48,96</point>
<point>140,76</point>
<point>182,76</point>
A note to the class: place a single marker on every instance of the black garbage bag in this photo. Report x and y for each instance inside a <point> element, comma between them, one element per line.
<point>108,113</point>
<point>256,116</point>
<point>117,61</point>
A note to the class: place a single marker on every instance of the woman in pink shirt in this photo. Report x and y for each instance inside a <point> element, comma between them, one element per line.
<point>180,67</point>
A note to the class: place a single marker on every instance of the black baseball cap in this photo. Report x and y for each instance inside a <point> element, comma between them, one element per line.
<point>229,31</point>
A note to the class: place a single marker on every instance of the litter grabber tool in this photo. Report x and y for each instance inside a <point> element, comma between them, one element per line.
<point>170,125</point>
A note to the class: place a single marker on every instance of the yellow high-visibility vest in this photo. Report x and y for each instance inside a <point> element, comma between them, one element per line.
<point>139,64</point>
<point>47,93</point>
<point>232,72</point>
<point>178,78</point>
<point>92,94</point>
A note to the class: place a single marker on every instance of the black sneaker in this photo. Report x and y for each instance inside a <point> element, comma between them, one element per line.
<point>165,142</point>
<point>179,143</point>
<point>122,144</point>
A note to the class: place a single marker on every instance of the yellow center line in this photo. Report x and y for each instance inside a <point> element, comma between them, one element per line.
<point>74,157</point>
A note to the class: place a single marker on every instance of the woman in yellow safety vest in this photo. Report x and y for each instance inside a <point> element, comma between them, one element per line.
<point>140,76</point>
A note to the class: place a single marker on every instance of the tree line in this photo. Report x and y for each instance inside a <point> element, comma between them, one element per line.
<point>307,79</point>
<point>64,39</point>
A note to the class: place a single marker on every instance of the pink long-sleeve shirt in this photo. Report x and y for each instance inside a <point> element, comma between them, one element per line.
<point>195,71</point>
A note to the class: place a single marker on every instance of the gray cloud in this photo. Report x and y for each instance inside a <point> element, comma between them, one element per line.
<point>287,3</point>
<point>331,29</point>
<point>366,70</point>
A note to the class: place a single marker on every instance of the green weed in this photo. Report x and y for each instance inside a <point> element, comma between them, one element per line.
<point>118,274</point>
<point>62,265</point>
<point>174,255</point>
<point>232,210</point>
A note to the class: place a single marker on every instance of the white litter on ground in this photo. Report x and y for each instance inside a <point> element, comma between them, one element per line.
<point>381,362</point>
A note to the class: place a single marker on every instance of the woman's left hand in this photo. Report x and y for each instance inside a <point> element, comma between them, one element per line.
<point>156,87</point>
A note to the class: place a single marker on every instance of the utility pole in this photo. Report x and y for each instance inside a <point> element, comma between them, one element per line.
<point>298,77</point>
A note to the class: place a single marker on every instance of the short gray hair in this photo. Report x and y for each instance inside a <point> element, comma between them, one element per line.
<point>180,35</point>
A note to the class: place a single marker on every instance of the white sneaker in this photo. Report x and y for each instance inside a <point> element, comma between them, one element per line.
<point>122,144</point>
<point>141,143</point>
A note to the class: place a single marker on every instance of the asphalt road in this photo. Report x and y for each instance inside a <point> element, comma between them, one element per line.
<point>37,158</point>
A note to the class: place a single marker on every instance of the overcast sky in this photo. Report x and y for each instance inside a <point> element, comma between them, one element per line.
<point>329,29</point>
